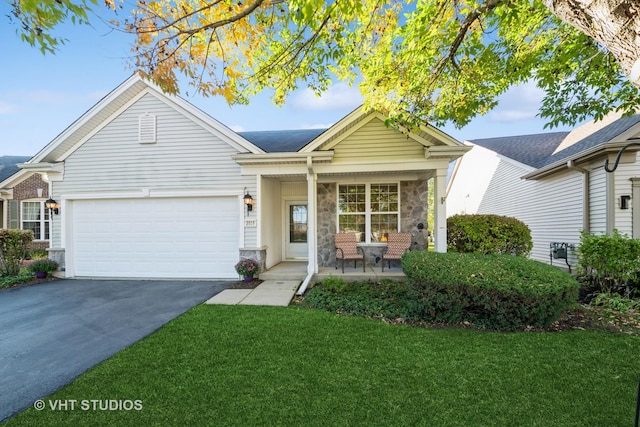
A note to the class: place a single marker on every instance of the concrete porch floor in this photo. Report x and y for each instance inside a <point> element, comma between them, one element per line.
<point>294,270</point>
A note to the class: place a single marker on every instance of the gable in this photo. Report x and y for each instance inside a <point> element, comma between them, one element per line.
<point>375,141</point>
<point>182,152</point>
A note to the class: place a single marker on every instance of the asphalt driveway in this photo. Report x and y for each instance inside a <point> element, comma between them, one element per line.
<point>54,331</point>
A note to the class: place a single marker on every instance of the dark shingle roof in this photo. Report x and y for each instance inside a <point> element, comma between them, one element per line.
<point>599,137</point>
<point>9,165</point>
<point>280,141</point>
<point>532,150</point>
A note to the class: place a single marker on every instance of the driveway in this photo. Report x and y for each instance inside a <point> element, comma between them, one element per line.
<point>54,331</point>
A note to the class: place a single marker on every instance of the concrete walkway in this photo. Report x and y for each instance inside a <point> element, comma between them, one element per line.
<point>270,292</point>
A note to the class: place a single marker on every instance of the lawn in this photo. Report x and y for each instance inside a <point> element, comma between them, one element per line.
<point>241,365</point>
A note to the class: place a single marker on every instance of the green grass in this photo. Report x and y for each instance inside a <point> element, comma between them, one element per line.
<point>238,365</point>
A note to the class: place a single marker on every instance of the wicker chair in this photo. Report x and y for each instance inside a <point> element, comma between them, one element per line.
<point>347,249</point>
<point>397,244</point>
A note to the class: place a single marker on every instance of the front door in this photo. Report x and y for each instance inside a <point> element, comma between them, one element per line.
<point>296,231</point>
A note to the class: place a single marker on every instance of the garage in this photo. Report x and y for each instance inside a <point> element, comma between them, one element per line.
<point>194,238</point>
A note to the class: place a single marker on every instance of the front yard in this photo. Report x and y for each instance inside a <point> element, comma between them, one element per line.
<point>241,365</point>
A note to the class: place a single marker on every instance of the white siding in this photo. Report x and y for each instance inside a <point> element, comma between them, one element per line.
<point>185,157</point>
<point>271,213</point>
<point>551,208</point>
<point>472,177</point>
<point>375,141</point>
<point>622,176</point>
<point>598,201</point>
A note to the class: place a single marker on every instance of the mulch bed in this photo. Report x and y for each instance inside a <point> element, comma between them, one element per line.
<point>246,285</point>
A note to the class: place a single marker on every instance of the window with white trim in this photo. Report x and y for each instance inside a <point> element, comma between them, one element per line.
<point>371,211</point>
<point>35,217</point>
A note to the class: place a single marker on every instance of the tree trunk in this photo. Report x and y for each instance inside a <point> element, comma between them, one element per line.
<point>615,24</point>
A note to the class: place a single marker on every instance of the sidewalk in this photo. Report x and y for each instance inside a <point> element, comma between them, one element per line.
<point>269,292</point>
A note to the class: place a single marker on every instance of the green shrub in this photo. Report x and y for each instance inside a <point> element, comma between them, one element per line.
<point>13,250</point>
<point>8,281</point>
<point>494,291</point>
<point>388,299</point>
<point>38,254</point>
<point>43,266</point>
<point>613,301</point>
<point>609,263</point>
<point>488,234</point>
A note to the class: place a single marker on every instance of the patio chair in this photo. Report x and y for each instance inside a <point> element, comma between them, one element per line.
<point>347,249</point>
<point>397,244</point>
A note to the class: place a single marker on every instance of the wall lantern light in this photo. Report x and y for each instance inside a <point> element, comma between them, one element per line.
<point>624,201</point>
<point>248,200</point>
<point>53,206</point>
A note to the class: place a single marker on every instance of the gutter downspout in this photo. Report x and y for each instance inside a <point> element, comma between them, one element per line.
<point>586,188</point>
<point>311,226</point>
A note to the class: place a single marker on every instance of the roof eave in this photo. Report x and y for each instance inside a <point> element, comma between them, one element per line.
<point>581,157</point>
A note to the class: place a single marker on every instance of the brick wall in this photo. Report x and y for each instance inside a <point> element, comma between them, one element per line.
<point>28,189</point>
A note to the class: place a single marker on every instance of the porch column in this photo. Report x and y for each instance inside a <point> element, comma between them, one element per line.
<point>312,263</point>
<point>440,211</point>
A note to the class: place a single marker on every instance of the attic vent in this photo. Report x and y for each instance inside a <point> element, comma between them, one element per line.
<point>147,129</point>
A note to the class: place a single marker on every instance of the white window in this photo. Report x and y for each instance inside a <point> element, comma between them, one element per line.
<point>371,211</point>
<point>35,217</point>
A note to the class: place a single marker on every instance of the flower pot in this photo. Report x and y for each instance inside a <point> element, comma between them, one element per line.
<point>248,278</point>
<point>41,274</point>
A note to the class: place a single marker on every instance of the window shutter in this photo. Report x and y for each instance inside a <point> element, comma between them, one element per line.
<point>14,221</point>
<point>147,129</point>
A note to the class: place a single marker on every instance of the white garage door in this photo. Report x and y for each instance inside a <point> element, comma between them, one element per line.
<point>155,238</point>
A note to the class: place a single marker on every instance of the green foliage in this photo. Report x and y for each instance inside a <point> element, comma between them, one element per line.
<point>8,281</point>
<point>615,302</point>
<point>14,247</point>
<point>494,291</point>
<point>38,254</point>
<point>387,298</point>
<point>488,234</point>
<point>43,266</point>
<point>609,263</point>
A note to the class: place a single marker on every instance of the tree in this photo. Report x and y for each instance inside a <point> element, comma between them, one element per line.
<point>428,61</point>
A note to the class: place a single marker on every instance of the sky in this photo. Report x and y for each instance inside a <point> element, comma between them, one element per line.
<point>41,95</point>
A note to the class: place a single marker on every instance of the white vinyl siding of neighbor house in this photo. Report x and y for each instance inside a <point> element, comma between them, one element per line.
<point>375,141</point>
<point>472,177</point>
<point>598,201</point>
<point>622,176</point>
<point>185,157</point>
<point>551,208</point>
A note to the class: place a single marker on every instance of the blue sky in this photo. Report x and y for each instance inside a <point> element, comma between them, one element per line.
<point>41,95</point>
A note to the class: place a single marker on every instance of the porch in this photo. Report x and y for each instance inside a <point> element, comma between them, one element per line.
<point>295,270</point>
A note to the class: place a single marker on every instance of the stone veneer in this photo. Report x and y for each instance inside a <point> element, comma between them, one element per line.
<point>257,254</point>
<point>413,210</point>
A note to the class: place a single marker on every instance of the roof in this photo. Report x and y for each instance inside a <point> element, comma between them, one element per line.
<point>532,150</point>
<point>599,137</point>
<point>280,141</point>
<point>9,165</point>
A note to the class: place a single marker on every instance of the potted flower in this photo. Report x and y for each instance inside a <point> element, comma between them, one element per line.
<point>42,267</point>
<point>247,268</point>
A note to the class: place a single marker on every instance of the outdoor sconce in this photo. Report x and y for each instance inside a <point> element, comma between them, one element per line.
<point>248,200</point>
<point>53,206</point>
<point>624,202</point>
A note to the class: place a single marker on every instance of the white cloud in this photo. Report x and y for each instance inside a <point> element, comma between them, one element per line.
<point>7,108</point>
<point>338,96</point>
<point>518,103</point>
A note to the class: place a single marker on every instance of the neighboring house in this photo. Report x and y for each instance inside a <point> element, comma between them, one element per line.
<point>22,197</point>
<point>554,182</point>
<point>150,186</point>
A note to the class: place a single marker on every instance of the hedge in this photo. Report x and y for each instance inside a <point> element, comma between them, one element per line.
<point>493,291</point>
<point>488,234</point>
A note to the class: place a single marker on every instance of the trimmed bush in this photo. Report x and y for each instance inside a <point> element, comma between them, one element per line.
<point>609,263</point>
<point>14,247</point>
<point>386,298</point>
<point>43,266</point>
<point>500,292</point>
<point>488,234</point>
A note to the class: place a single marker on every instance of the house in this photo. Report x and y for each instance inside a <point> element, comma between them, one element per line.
<point>22,197</point>
<point>554,182</point>
<point>149,186</point>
